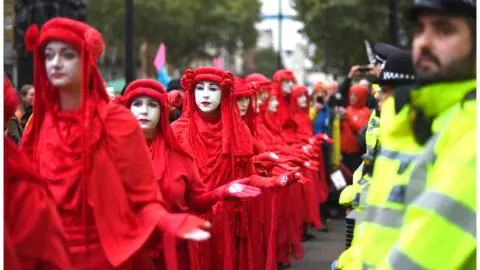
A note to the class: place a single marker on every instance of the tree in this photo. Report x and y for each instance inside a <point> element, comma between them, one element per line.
<point>187,27</point>
<point>338,29</point>
<point>264,62</point>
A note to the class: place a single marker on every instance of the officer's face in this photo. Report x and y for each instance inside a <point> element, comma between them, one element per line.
<point>443,48</point>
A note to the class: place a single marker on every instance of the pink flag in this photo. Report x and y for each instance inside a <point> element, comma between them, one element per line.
<point>160,57</point>
<point>217,63</point>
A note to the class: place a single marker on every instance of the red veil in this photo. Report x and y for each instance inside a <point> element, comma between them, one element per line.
<point>221,146</point>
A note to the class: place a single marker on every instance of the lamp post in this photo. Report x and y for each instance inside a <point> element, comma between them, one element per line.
<point>280,20</point>
<point>325,38</point>
<point>392,22</point>
<point>129,62</point>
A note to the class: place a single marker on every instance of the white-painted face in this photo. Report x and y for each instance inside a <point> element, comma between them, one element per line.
<point>147,112</point>
<point>63,64</point>
<point>287,86</point>
<point>261,97</point>
<point>302,101</point>
<point>243,105</point>
<point>272,104</point>
<point>208,96</point>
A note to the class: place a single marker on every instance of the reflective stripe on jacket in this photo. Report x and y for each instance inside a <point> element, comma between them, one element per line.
<point>439,224</point>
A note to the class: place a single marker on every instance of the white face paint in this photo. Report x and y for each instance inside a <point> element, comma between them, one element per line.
<point>272,104</point>
<point>243,105</point>
<point>208,96</point>
<point>63,64</point>
<point>261,97</point>
<point>147,112</point>
<point>287,86</point>
<point>302,101</point>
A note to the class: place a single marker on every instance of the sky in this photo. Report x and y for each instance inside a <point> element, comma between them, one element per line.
<point>290,27</point>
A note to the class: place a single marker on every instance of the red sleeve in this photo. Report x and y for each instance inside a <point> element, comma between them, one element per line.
<point>356,121</point>
<point>35,227</point>
<point>198,199</point>
<point>123,190</point>
<point>10,259</point>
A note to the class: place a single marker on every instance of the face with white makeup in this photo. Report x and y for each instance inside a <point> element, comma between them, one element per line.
<point>243,105</point>
<point>302,101</point>
<point>208,96</point>
<point>147,112</point>
<point>287,86</point>
<point>272,104</point>
<point>63,65</point>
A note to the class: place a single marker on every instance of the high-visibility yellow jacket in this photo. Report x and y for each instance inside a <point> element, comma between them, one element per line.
<point>351,194</point>
<point>376,232</point>
<point>355,195</point>
<point>439,224</point>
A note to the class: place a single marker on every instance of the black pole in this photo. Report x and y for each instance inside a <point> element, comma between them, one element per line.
<point>325,38</point>
<point>129,62</point>
<point>392,23</point>
<point>280,19</point>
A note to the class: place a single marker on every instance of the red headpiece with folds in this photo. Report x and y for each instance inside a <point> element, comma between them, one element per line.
<point>235,134</point>
<point>243,89</point>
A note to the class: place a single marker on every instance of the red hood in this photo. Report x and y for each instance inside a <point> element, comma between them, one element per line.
<point>296,92</point>
<point>361,94</point>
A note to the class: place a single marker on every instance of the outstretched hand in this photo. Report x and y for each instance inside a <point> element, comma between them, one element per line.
<point>239,189</point>
<point>287,179</point>
<point>322,137</point>
<point>186,226</point>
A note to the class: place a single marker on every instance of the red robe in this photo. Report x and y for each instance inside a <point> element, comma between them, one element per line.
<point>287,213</point>
<point>32,225</point>
<point>183,191</point>
<point>303,129</point>
<point>34,237</point>
<point>229,248</point>
<point>117,204</point>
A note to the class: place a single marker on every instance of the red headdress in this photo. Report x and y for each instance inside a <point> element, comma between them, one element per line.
<point>234,131</point>
<point>261,80</point>
<point>301,115</point>
<point>279,76</point>
<point>164,138</point>
<point>243,89</point>
<point>283,100</point>
<point>89,44</point>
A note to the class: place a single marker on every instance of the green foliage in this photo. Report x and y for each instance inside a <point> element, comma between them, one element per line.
<point>187,27</point>
<point>348,23</point>
<point>265,61</point>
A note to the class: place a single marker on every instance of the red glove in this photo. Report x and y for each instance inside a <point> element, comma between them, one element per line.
<point>268,160</point>
<point>237,189</point>
<point>308,149</point>
<point>174,99</point>
<point>304,180</point>
<point>287,179</point>
<point>186,226</point>
<point>285,167</point>
<point>311,165</point>
<point>322,137</point>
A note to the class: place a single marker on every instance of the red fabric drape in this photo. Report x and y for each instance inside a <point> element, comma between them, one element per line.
<point>175,171</point>
<point>94,159</point>
<point>221,146</point>
<point>34,235</point>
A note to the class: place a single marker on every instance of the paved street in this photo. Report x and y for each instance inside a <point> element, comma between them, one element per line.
<point>320,252</point>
